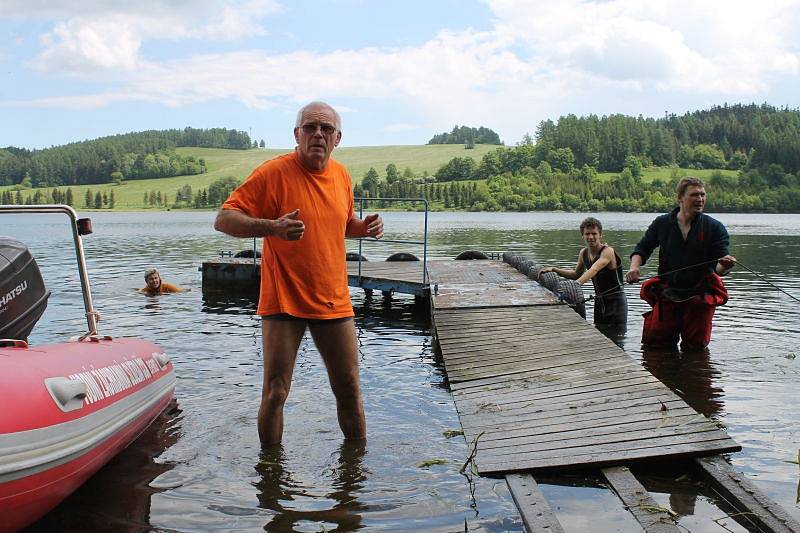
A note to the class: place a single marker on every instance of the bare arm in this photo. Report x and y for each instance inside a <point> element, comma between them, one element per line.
<point>606,257</point>
<point>371,226</point>
<point>725,264</point>
<point>569,274</point>
<point>237,224</point>
<point>633,272</point>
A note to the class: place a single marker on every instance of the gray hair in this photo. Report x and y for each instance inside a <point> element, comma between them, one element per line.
<point>317,103</point>
<point>150,271</point>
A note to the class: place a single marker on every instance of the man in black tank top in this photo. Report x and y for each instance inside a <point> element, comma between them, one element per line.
<point>601,264</point>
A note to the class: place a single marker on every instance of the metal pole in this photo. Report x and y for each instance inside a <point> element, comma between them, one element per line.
<point>91,314</point>
<point>425,246</point>
<point>361,216</point>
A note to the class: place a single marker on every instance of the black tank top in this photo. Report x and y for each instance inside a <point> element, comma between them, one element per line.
<point>608,282</point>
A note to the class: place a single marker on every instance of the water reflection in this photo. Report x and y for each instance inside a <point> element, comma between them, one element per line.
<point>118,496</point>
<point>615,332</point>
<point>690,373</point>
<point>337,510</point>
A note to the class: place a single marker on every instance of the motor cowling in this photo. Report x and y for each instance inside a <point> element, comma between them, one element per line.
<point>23,295</point>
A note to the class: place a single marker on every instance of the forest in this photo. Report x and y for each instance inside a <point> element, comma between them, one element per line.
<point>560,167</point>
<point>130,156</point>
<point>467,136</point>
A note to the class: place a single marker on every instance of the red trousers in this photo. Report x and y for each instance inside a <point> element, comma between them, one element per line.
<point>690,320</point>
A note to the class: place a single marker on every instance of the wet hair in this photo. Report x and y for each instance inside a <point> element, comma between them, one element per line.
<point>337,119</point>
<point>149,272</point>
<point>687,182</point>
<point>591,222</point>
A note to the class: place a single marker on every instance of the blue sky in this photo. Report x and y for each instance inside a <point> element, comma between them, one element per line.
<point>398,72</point>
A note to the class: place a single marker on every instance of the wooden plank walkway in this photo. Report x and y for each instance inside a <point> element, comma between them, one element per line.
<point>537,387</point>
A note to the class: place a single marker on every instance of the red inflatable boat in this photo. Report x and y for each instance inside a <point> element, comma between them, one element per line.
<point>67,408</point>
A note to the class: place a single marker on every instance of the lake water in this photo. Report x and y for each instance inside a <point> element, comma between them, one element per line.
<point>199,467</point>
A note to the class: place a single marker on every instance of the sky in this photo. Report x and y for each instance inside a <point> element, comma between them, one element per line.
<point>398,72</point>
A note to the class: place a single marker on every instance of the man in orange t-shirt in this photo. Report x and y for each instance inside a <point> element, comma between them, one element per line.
<point>302,204</point>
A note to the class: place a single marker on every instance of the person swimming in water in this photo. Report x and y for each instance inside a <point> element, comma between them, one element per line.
<point>155,286</point>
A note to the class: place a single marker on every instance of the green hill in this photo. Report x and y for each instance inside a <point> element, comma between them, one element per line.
<point>239,163</point>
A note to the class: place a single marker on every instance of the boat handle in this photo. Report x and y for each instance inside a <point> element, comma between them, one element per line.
<point>13,343</point>
<point>161,358</point>
<point>67,393</point>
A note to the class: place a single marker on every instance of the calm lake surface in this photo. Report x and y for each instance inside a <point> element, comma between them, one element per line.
<point>199,467</point>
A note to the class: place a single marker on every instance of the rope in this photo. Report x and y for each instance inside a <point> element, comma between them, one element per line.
<point>614,290</point>
<point>765,280</point>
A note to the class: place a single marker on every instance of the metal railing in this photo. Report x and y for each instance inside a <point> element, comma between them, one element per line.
<point>423,242</point>
<point>79,227</point>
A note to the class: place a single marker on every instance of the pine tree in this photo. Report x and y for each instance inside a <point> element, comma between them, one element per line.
<point>88,199</point>
<point>111,200</point>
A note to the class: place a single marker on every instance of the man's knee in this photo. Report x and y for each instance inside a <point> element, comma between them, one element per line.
<point>275,392</point>
<point>347,388</point>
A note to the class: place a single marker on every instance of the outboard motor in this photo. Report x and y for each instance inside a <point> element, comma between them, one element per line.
<point>23,296</point>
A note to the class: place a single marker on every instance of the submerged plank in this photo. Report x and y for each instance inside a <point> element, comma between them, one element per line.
<point>754,505</point>
<point>638,501</point>
<point>533,507</point>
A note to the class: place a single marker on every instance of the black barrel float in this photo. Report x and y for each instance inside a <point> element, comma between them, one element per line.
<point>549,280</point>
<point>355,256</point>
<point>402,256</point>
<point>399,256</point>
<point>471,254</point>
<point>570,291</point>
<point>248,253</point>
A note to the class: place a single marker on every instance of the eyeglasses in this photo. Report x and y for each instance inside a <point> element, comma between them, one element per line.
<point>311,129</point>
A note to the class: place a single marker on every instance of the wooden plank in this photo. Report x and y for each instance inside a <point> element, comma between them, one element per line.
<point>744,495</point>
<point>539,420</point>
<point>515,395</point>
<point>620,455</point>
<point>564,355</point>
<point>478,330</point>
<point>536,513</point>
<point>638,501</point>
<point>658,393</point>
<point>625,440</point>
<point>492,296</point>
<point>455,374</point>
<point>560,433</point>
<point>535,378</point>
<point>530,340</point>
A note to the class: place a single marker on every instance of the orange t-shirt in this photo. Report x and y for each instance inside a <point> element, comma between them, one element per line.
<point>305,278</point>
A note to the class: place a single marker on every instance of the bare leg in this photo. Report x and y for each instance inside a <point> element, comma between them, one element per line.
<point>337,344</point>
<point>280,339</point>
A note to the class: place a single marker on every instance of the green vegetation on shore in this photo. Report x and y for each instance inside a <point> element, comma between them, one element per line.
<point>748,154</point>
<point>221,163</point>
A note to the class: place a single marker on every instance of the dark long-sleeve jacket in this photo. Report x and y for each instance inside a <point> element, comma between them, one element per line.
<point>707,240</point>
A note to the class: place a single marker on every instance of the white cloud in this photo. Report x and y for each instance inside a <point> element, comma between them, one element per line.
<point>103,36</point>
<point>538,57</point>
<point>727,46</point>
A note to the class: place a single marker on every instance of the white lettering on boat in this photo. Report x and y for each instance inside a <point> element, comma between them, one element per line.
<point>13,293</point>
<point>113,379</point>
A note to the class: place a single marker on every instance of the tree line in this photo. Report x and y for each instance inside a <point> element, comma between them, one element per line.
<point>130,156</point>
<point>467,136</point>
<point>545,188</point>
<point>731,137</point>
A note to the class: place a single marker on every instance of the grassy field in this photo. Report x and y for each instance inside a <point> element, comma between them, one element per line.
<point>665,173</point>
<point>239,163</point>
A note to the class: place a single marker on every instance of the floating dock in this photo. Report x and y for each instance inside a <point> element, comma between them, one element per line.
<point>539,390</point>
